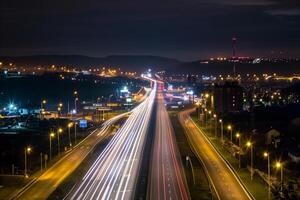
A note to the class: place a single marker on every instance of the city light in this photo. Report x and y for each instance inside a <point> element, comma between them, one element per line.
<point>248,144</point>
<point>278,165</point>
<point>28,149</point>
<point>229,127</point>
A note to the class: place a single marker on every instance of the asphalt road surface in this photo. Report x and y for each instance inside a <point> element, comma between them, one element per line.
<point>224,180</point>
<point>114,173</point>
<point>44,185</point>
<point>167,180</point>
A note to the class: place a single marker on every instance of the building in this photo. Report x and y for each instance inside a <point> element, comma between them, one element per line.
<point>227,97</point>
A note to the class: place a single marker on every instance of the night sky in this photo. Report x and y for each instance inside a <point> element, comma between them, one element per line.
<point>182,29</point>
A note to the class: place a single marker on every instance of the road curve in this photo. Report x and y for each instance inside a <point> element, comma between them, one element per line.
<point>167,179</point>
<point>225,182</point>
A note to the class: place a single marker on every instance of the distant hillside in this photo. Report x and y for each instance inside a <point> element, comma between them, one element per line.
<point>216,68</point>
<point>126,62</point>
<point>141,63</point>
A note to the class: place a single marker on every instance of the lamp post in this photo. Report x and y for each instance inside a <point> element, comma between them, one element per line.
<point>229,127</point>
<point>279,165</point>
<point>210,124</point>
<point>75,132</point>
<point>51,135</point>
<point>205,110</point>
<point>250,145</point>
<point>59,108</point>
<point>58,141</point>
<point>69,131</point>
<point>193,173</point>
<point>216,124</point>
<point>198,104</point>
<point>75,99</point>
<point>267,155</point>
<point>222,130</point>
<point>206,98</point>
<point>42,108</point>
<point>238,136</point>
<point>27,150</point>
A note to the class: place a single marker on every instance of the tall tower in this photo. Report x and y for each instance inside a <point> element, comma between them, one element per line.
<point>233,40</point>
<point>233,47</point>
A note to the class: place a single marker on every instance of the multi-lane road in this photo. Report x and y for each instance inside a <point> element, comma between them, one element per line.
<point>224,180</point>
<point>167,179</point>
<point>44,185</point>
<point>114,174</point>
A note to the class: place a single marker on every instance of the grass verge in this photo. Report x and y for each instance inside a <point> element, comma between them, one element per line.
<point>257,187</point>
<point>200,190</point>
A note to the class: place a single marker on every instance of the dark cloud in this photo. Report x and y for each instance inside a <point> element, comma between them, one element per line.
<point>174,28</point>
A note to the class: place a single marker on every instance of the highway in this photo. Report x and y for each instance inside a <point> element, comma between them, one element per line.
<point>114,173</point>
<point>44,185</point>
<point>224,181</point>
<point>167,179</point>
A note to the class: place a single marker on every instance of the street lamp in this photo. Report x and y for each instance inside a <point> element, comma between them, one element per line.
<point>238,136</point>
<point>279,165</point>
<point>205,110</point>
<point>267,155</point>
<point>58,142</point>
<point>216,124</point>
<point>27,151</point>
<point>250,145</point>
<point>75,132</point>
<point>229,127</point>
<point>69,127</point>
<point>42,107</point>
<point>198,104</point>
<point>189,159</point>
<point>75,99</point>
<point>51,135</point>
<point>209,121</point>
<point>222,130</point>
<point>59,111</point>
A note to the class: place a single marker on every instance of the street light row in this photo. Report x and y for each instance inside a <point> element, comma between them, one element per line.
<point>52,134</point>
<point>248,144</point>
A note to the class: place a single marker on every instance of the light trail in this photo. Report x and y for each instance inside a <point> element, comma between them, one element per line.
<point>44,185</point>
<point>114,173</point>
<point>167,179</point>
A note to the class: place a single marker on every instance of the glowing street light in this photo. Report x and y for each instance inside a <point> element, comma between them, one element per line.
<point>69,127</point>
<point>51,135</point>
<point>279,165</point>
<point>43,103</point>
<point>210,121</point>
<point>267,155</point>
<point>216,124</point>
<point>229,127</point>
<point>58,141</point>
<point>222,131</point>
<point>238,136</point>
<point>250,145</point>
<point>27,151</point>
<point>198,104</point>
